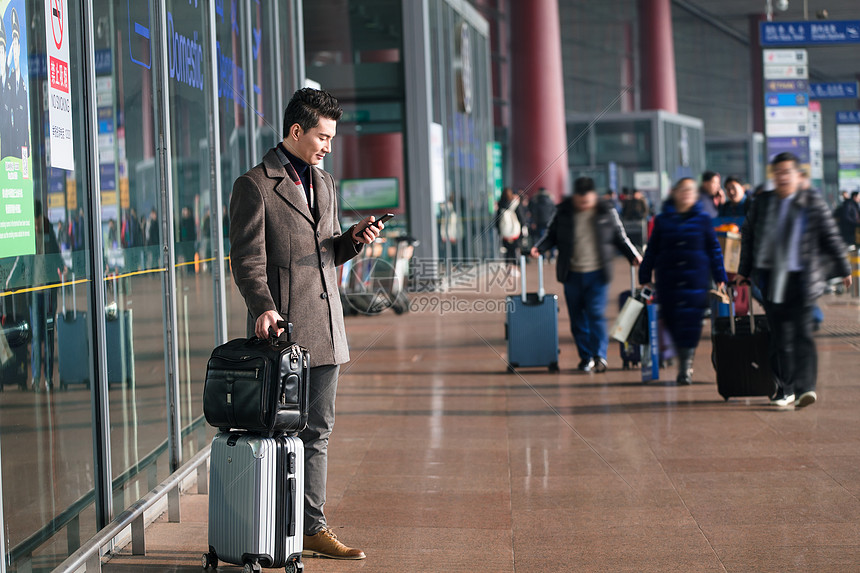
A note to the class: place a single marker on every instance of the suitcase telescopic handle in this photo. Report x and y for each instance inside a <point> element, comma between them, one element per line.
<point>541,290</point>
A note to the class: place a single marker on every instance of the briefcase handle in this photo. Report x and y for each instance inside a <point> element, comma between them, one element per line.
<point>288,326</point>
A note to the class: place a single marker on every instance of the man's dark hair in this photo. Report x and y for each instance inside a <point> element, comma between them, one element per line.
<point>854,194</point>
<point>307,106</point>
<point>733,179</point>
<point>708,175</point>
<point>783,157</point>
<point>583,185</point>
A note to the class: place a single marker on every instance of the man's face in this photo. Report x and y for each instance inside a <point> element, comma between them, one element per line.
<point>713,185</point>
<point>585,202</point>
<point>735,192</point>
<point>787,177</point>
<point>313,145</point>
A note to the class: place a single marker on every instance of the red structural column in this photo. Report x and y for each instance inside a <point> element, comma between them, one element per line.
<point>538,130</point>
<point>657,50</point>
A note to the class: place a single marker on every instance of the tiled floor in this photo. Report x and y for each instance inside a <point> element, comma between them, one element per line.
<point>442,461</point>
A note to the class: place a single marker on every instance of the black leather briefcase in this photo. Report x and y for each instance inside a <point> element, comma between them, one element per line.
<point>258,385</point>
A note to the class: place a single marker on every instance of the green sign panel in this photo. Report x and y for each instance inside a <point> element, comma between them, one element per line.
<point>17,230</point>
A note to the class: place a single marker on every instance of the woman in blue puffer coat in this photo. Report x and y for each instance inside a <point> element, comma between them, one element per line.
<point>684,254</point>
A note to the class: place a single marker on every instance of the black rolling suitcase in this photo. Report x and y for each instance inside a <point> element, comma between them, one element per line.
<point>258,385</point>
<point>741,355</point>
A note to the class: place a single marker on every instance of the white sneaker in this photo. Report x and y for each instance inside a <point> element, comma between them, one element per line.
<point>783,400</point>
<point>806,399</point>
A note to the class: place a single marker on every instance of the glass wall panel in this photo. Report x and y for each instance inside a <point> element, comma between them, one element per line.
<point>463,105</point>
<point>45,319</point>
<point>235,120</point>
<point>356,54</point>
<point>189,89</point>
<point>130,223</point>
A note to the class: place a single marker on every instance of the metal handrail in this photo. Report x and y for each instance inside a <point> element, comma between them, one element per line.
<point>67,516</point>
<point>89,553</point>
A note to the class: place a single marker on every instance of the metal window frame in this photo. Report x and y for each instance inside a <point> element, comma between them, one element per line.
<point>417,76</point>
<point>164,162</point>
<point>216,227</point>
<point>98,339</point>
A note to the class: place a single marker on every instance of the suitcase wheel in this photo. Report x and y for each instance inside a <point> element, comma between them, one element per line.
<point>553,367</point>
<point>210,560</point>
<point>294,567</point>
<point>511,369</point>
<point>252,568</point>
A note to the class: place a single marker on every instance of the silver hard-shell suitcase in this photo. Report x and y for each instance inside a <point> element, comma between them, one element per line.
<point>256,502</point>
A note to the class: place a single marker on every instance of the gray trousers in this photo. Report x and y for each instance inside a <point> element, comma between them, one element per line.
<point>323,386</point>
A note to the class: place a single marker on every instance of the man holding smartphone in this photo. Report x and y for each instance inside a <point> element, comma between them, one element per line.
<point>285,246</point>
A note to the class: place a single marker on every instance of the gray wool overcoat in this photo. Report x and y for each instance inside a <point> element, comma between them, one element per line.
<point>285,259</point>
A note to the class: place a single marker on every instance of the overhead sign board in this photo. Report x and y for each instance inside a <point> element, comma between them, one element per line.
<point>786,86</point>
<point>780,129</point>
<point>795,113</point>
<point>786,99</point>
<point>848,117</point>
<point>776,34</point>
<point>785,72</point>
<point>785,57</point>
<point>833,90</point>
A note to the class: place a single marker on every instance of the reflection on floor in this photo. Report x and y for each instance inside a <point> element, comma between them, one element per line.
<point>441,461</point>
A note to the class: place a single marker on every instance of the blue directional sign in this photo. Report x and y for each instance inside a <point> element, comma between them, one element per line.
<point>833,90</point>
<point>786,99</point>
<point>848,117</point>
<point>776,34</point>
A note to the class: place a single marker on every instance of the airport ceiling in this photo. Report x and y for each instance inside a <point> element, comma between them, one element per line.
<point>830,63</point>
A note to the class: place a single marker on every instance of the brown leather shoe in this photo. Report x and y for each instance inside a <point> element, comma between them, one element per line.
<point>325,544</point>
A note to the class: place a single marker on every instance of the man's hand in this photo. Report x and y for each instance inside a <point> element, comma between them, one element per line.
<point>266,320</point>
<point>637,261</point>
<point>534,253</point>
<point>740,279</point>
<point>367,230</point>
<point>847,281</point>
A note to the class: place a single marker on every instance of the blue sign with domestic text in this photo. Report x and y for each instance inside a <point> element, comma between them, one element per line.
<point>848,117</point>
<point>833,90</point>
<point>810,33</point>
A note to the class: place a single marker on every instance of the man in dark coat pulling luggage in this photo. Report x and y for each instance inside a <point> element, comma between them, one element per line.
<point>587,231</point>
<point>787,241</point>
<point>286,243</point>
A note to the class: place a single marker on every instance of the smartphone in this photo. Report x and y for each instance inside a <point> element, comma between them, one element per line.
<point>383,219</point>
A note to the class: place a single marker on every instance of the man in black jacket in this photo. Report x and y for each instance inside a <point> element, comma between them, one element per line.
<point>587,232</point>
<point>787,241</point>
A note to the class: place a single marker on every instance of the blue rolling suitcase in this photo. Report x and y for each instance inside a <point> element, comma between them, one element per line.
<point>73,351</point>
<point>531,326</point>
<point>119,333</point>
